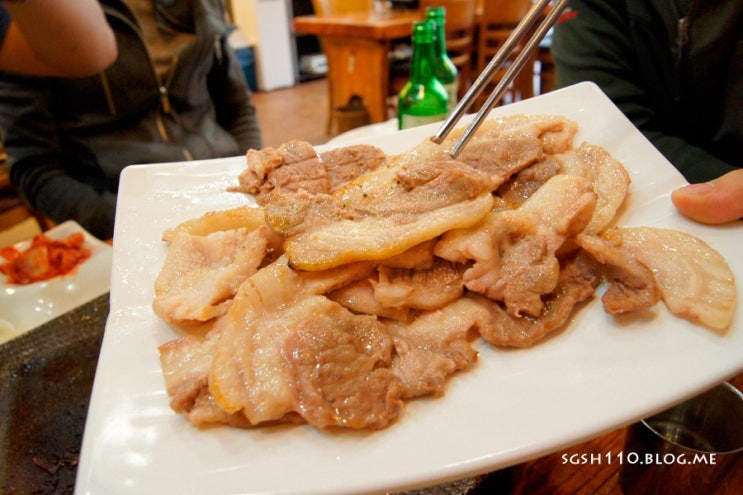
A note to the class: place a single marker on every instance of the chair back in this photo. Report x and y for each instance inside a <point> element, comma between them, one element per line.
<point>330,7</point>
<point>460,27</point>
<point>503,12</point>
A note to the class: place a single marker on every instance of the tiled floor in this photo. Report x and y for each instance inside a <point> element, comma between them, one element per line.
<point>299,112</point>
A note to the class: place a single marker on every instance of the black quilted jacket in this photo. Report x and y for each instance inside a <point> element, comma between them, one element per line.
<point>68,139</point>
<point>674,67</point>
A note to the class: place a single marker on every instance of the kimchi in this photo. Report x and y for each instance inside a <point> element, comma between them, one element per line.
<point>44,259</point>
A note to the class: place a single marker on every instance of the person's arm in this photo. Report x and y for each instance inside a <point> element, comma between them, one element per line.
<point>231,96</point>
<point>592,42</point>
<point>50,187</point>
<point>64,38</point>
<point>714,202</point>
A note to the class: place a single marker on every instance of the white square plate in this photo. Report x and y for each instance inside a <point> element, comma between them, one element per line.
<point>26,307</point>
<point>599,374</point>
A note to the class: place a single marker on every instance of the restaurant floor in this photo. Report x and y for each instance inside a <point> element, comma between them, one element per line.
<point>298,112</point>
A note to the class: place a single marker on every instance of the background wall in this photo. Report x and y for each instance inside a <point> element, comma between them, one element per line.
<point>267,26</point>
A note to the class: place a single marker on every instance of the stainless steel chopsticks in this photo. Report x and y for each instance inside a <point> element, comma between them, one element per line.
<point>494,65</point>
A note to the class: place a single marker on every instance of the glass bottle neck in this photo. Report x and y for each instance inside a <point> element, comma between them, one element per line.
<point>440,37</point>
<point>423,67</point>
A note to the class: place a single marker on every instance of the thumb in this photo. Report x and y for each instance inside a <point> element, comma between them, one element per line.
<point>714,202</point>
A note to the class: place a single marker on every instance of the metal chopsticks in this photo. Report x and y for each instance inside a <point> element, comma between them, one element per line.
<point>494,65</point>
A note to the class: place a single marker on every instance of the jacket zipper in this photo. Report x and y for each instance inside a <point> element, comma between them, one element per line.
<point>162,89</point>
<point>683,25</point>
<point>165,107</point>
<point>218,48</point>
<point>682,38</point>
<point>107,92</point>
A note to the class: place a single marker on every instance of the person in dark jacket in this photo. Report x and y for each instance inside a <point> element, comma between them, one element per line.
<point>175,93</point>
<point>674,68</point>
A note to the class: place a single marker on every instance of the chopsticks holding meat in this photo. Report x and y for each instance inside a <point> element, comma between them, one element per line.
<point>537,10</point>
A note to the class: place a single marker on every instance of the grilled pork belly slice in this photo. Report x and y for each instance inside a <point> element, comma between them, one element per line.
<point>247,217</point>
<point>359,297</point>
<point>296,166</point>
<point>695,281</point>
<point>503,154</point>
<point>318,360</point>
<point>514,251</point>
<point>339,365</point>
<point>501,146</point>
<point>392,292</point>
<point>398,210</point>
<point>578,279</point>
<point>201,274</point>
<point>608,176</point>
<point>248,371</point>
<point>633,287</point>
<point>427,289</point>
<point>433,346</point>
<point>262,163</point>
<point>186,363</point>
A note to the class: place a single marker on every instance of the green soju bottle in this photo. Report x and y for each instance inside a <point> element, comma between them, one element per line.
<point>423,99</point>
<point>446,71</point>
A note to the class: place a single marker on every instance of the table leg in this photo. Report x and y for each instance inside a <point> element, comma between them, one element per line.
<point>358,67</point>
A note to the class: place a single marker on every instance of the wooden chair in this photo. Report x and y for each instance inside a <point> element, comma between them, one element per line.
<point>498,18</point>
<point>330,7</point>
<point>460,27</point>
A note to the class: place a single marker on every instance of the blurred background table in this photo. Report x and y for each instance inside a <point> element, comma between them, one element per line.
<point>367,65</point>
<point>357,46</point>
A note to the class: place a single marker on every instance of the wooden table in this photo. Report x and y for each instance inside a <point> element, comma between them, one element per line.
<point>552,475</point>
<point>357,46</point>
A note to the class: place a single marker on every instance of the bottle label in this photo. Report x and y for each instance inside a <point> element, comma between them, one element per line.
<point>408,121</point>
<point>451,90</point>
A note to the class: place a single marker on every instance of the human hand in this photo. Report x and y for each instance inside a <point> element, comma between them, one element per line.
<point>714,202</point>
